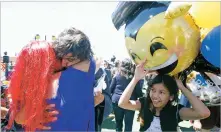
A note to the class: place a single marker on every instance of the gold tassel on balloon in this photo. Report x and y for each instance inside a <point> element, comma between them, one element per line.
<point>177,9</point>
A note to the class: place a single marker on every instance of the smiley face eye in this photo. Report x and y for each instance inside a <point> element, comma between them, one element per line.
<point>156,46</point>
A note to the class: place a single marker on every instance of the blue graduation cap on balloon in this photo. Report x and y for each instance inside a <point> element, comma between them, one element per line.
<point>210,47</point>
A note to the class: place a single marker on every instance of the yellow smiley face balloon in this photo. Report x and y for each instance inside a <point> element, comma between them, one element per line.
<point>169,45</point>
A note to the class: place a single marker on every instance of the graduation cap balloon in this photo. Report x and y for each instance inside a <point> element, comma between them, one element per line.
<point>169,45</point>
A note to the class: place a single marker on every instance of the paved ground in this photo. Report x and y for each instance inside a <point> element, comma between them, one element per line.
<point>109,125</point>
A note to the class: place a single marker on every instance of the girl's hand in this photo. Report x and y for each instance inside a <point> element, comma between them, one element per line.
<point>50,115</point>
<point>180,84</point>
<point>140,72</point>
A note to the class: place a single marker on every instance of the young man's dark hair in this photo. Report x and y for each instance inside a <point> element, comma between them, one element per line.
<point>73,41</point>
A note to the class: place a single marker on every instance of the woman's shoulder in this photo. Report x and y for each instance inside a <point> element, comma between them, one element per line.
<point>176,110</point>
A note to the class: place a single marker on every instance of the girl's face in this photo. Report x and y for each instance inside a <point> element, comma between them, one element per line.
<point>159,95</point>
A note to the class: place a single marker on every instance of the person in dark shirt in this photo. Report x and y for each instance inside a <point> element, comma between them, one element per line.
<point>108,71</point>
<point>117,87</point>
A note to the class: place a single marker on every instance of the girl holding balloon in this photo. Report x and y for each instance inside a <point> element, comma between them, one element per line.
<point>157,110</point>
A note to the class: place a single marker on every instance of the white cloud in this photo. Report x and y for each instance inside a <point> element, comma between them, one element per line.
<point>20,21</point>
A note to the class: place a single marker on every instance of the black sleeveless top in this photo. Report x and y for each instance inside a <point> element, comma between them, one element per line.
<point>169,116</point>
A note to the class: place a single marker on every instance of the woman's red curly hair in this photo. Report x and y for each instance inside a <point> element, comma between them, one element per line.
<point>30,83</point>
